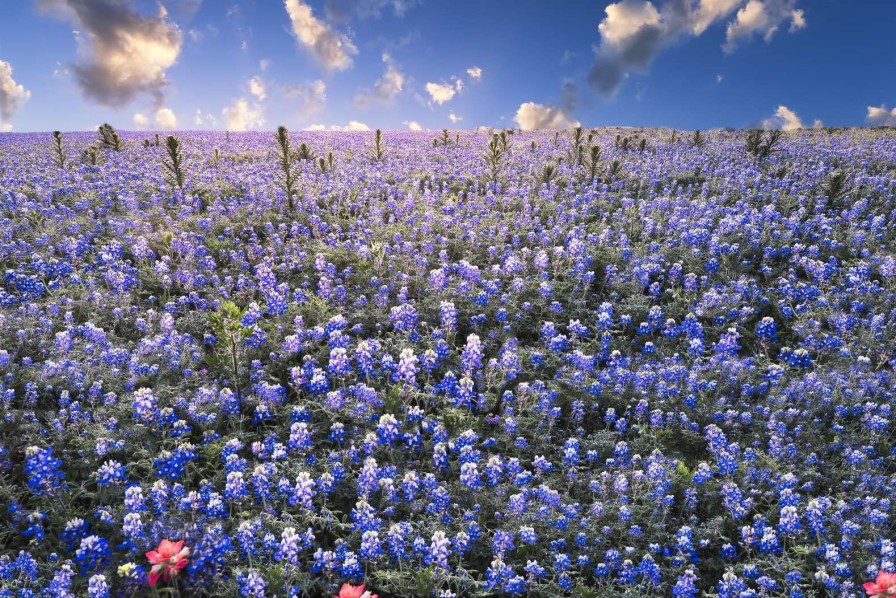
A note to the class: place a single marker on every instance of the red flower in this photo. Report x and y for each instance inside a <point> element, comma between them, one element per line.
<point>168,559</point>
<point>884,585</point>
<point>350,591</point>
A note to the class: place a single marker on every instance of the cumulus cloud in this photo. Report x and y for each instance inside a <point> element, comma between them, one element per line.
<point>330,49</point>
<point>454,118</point>
<point>386,87</point>
<point>475,72</point>
<point>122,52</point>
<point>762,17</point>
<point>634,32</point>
<point>353,125</point>
<point>240,116</point>
<point>256,88</point>
<point>441,92</point>
<point>786,119</point>
<point>140,121</point>
<point>12,96</point>
<point>164,119</point>
<point>881,116</point>
<point>413,125</point>
<point>310,98</point>
<point>344,10</point>
<point>532,116</point>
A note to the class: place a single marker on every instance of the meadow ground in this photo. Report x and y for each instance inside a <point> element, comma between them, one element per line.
<point>609,363</point>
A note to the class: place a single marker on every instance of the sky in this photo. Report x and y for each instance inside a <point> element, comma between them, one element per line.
<point>432,64</point>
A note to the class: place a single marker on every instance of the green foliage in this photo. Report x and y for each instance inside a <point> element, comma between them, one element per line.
<point>699,139</point>
<point>592,162</point>
<point>836,186</point>
<point>109,138</point>
<point>226,324</point>
<point>173,164</point>
<point>760,145</point>
<point>305,153</point>
<point>59,157</point>
<point>548,173</point>
<point>287,168</point>
<point>496,153</point>
<point>90,156</point>
<point>326,165</point>
<point>156,142</point>
<point>378,152</point>
<point>444,140</point>
<point>615,171</point>
<point>579,147</point>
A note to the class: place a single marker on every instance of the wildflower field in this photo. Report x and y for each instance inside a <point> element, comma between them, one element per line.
<point>612,362</point>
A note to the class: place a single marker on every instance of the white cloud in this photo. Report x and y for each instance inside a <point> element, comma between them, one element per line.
<point>762,17</point>
<point>797,20</point>
<point>634,32</point>
<point>440,93</point>
<point>719,78</point>
<point>881,116</point>
<point>475,72</point>
<point>386,87</point>
<point>163,119</point>
<point>241,117</point>
<point>331,49</point>
<point>12,96</point>
<point>122,53</point>
<point>625,19</point>
<point>140,121</point>
<point>785,119</point>
<point>263,64</point>
<point>311,98</point>
<point>708,12</point>
<point>532,116</point>
<point>413,125</point>
<point>256,88</point>
<point>454,118</point>
<point>353,125</point>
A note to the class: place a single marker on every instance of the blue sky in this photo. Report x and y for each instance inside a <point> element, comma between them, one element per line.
<point>432,64</point>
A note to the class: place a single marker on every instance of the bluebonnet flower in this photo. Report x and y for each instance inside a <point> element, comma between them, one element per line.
<point>43,471</point>
<point>767,330</point>
<point>97,587</point>
<point>407,367</point>
<point>93,553</point>
<point>251,584</point>
<point>111,473</point>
